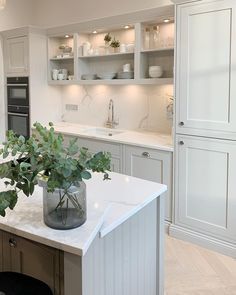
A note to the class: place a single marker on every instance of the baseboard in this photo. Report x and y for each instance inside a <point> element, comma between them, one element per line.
<point>167,226</point>
<point>200,239</point>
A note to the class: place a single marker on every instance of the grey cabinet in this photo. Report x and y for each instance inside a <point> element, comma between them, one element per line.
<point>95,146</point>
<point>153,165</point>
<point>205,190</point>
<point>16,56</point>
<point>33,259</point>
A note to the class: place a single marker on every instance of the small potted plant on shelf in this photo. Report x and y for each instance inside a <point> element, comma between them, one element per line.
<point>115,44</point>
<point>107,40</point>
<point>43,159</point>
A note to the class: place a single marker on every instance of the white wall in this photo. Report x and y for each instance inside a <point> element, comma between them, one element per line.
<point>135,106</point>
<point>73,11</point>
<point>45,101</point>
<point>17,13</point>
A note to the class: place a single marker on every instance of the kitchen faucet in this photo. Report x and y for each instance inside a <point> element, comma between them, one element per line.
<point>111,123</point>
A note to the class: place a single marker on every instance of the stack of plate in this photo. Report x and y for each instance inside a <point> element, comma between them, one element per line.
<point>89,77</point>
<point>107,76</point>
<point>125,75</point>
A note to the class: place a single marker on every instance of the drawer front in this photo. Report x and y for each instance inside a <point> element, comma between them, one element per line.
<point>95,146</point>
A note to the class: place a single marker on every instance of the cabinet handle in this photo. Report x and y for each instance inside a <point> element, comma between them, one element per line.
<point>181,142</point>
<point>181,123</point>
<point>12,243</point>
<point>146,154</point>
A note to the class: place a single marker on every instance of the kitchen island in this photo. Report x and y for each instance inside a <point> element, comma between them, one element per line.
<point>119,250</point>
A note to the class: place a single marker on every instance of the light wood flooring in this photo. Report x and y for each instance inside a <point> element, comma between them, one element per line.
<point>192,270</point>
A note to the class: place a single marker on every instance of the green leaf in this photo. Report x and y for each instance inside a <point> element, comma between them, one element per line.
<point>8,199</point>
<point>86,174</point>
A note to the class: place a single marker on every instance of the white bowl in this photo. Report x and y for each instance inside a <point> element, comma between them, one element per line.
<point>107,76</point>
<point>155,71</point>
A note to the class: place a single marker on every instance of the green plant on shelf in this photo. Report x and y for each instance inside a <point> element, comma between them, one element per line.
<point>107,38</point>
<point>115,43</point>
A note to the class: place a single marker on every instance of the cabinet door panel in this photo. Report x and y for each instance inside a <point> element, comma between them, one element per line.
<point>206,55</point>
<point>151,165</point>
<point>17,55</point>
<point>95,146</point>
<point>205,185</point>
<point>32,259</point>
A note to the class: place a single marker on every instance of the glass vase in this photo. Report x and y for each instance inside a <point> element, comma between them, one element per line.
<point>65,209</point>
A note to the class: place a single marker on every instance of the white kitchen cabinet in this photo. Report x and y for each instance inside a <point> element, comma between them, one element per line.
<point>95,146</point>
<point>16,56</point>
<point>205,186</point>
<point>205,69</point>
<point>153,165</point>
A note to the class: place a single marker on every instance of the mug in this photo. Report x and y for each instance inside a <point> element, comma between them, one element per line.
<point>65,73</point>
<point>60,76</point>
<point>55,73</point>
<point>127,68</point>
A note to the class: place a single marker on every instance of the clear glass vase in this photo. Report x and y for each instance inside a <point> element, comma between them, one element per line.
<point>65,209</point>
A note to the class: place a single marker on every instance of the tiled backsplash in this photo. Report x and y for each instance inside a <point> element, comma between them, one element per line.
<point>135,106</point>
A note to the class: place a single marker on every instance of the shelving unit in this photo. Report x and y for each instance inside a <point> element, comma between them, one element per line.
<point>55,58</point>
<point>100,60</point>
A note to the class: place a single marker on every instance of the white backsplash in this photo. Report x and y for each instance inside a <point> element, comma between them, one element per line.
<point>135,106</point>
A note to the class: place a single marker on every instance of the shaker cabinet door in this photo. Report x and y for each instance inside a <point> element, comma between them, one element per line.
<point>205,186</point>
<point>33,259</point>
<point>16,56</point>
<point>206,72</point>
<point>151,165</point>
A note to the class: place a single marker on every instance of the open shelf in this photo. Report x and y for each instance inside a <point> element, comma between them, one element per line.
<point>156,81</point>
<point>98,59</point>
<point>157,50</point>
<point>61,58</point>
<point>148,81</point>
<point>110,55</point>
<point>55,56</point>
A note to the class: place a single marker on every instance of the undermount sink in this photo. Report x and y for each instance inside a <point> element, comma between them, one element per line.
<point>103,131</point>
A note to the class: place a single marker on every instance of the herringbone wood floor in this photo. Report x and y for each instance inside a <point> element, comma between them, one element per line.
<point>192,270</point>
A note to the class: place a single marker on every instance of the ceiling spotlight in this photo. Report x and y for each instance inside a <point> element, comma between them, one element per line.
<point>67,36</point>
<point>166,20</point>
<point>95,32</point>
<point>126,27</point>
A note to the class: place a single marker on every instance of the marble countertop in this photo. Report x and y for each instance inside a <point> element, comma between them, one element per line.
<point>138,138</point>
<point>110,203</point>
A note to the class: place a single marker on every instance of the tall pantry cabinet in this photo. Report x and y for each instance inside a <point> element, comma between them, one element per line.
<point>205,142</point>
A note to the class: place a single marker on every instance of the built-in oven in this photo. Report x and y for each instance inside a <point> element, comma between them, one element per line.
<point>18,120</point>
<point>18,91</point>
<point>18,105</point>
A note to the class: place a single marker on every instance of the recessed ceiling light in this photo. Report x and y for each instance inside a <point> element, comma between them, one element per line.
<point>67,36</point>
<point>95,32</point>
<point>166,20</point>
<point>126,27</point>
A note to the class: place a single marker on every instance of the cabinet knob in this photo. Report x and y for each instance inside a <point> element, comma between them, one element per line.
<point>181,123</point>
<point>12,243</point>
<point>146,154</point>
<point>181,142</point>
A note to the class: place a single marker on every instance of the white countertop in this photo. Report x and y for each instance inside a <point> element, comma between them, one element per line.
<point>110,203</point>
<point>138,138</point>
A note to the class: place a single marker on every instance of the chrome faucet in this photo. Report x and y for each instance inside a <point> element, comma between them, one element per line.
<point>111,123</point>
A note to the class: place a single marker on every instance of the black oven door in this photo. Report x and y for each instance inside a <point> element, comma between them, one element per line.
<point>18,91</point>
<point>19,123</point>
